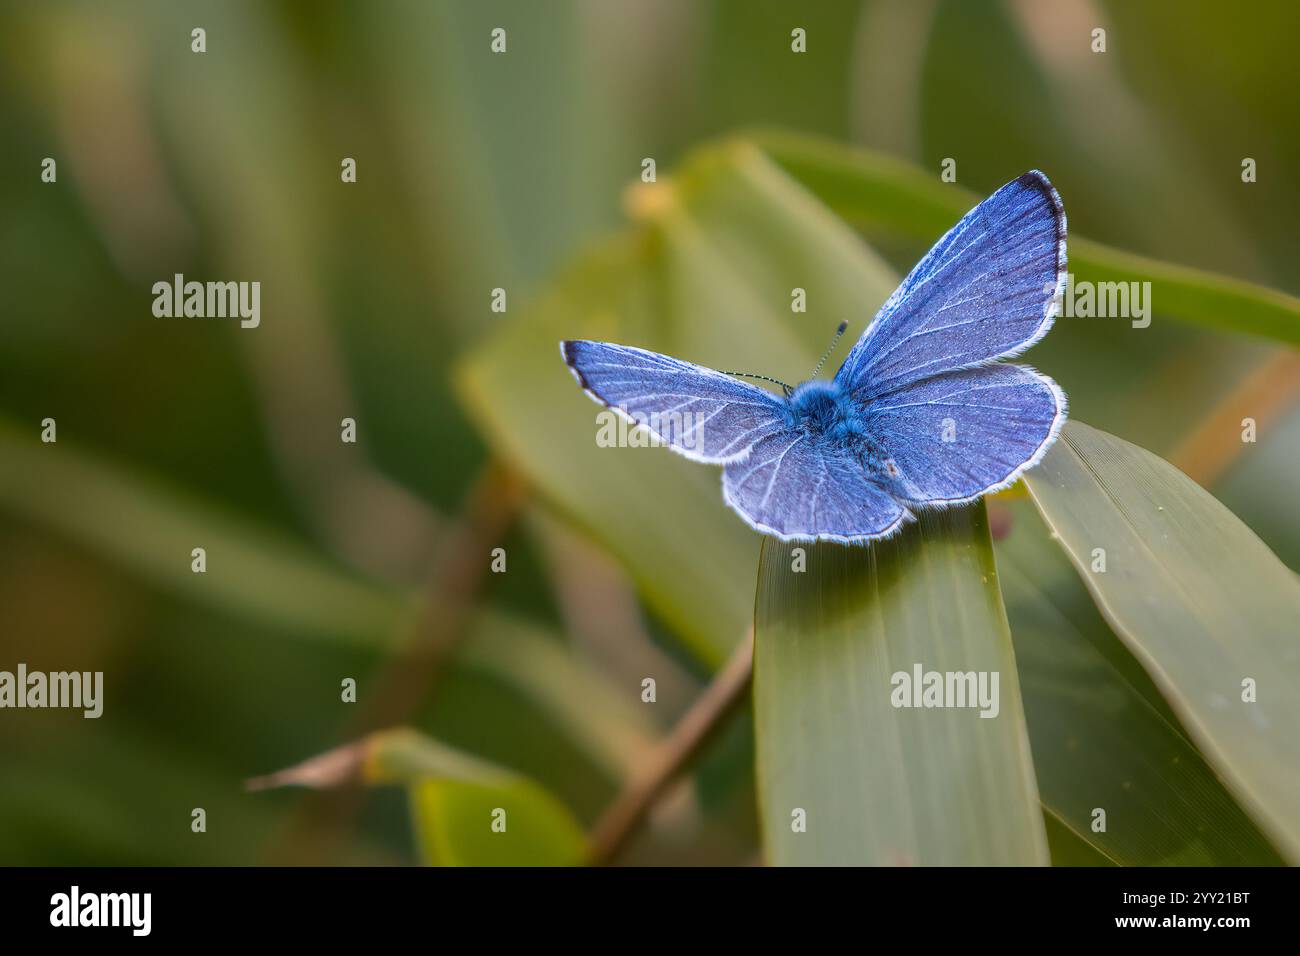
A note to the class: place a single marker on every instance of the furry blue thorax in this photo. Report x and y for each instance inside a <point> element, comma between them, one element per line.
<point>823,408</point>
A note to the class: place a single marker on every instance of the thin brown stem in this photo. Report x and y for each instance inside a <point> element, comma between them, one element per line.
<point>1265,394</point>
<point>674,754</point>
<point>459,569</point>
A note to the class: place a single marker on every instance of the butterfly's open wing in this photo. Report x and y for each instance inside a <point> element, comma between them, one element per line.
<point>799,488</point>
<point>954,437</point>
<point>702,414</point>
<point>987,290</point>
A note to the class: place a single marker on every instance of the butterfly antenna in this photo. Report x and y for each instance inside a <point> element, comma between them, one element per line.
<point>765,378</point>
<point>830,348</point>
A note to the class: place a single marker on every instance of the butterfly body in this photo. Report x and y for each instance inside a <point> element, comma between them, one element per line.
<point>828,414</point>
<point>920,415</point>
<point>824,409</point>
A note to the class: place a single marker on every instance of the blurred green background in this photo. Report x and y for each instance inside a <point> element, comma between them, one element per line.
<point>479,171</point>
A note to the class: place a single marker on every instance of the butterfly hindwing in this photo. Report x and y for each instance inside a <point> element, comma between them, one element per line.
<point>987,290</point>
<point>796,486</point>
<point>956,436</point>
<point>702,414</point>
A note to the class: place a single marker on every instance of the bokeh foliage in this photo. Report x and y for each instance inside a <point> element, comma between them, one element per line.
<point>477,172</point>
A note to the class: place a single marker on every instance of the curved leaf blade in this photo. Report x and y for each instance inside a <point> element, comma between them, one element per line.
<point>1200,601</point>
<point>581,701</point>
<point>149,528</point>
<point>877,191</point>
<point>513,823</point>
<point>883,785</point>
<point>467,811</point>
<point>1102,737</point>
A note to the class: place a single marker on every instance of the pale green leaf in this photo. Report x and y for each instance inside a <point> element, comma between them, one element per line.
<point>150,529</point>
<point>878,192</point>
<point>886,785</point>
<point>455,822</point>
<point>1199,600</point>
<point>467,811</point>
<point>1102,738</point>
<point>583,703</point>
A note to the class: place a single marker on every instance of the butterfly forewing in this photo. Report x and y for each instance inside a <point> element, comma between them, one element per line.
<point>987,290</point>
<point>702,414</point>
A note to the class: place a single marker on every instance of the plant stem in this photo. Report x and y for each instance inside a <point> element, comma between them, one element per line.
<point>1265,395</point>
<point>728,689</point>
<point>459,569</point>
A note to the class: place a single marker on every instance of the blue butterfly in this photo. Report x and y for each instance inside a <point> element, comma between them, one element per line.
<point>916,417</point>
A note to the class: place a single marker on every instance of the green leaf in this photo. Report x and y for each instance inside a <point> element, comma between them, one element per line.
<point>879,192</point>
<point>1068,848</point>
<point>467,812</point>
<point>1102,736</point>
<point>1199,600</point>
<point>582,702</point>
<point>880,784</point>
<point>454,822</point>
<point>150,529</point>
<point>706,274</point>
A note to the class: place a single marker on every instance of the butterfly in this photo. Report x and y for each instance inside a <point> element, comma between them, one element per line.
<point>920,415</point>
